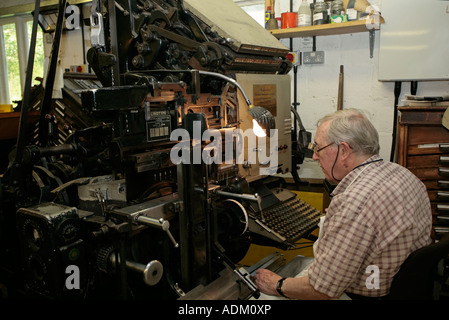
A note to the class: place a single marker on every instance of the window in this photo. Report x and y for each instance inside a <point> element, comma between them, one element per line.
<point>255,9</point>
<point>12,66</point>
<point>15,37</point>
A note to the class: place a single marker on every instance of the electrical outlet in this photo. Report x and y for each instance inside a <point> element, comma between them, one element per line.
<point>313,57</point>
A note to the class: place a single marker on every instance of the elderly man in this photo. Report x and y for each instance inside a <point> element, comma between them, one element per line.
<point>379,214</point>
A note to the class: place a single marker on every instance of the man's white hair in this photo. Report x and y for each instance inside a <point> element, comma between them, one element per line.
<point>353,127</point>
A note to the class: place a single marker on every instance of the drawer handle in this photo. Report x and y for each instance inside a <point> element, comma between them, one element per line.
<point>443,196</point>
<point>444,160</point>
<point>444,172</point>
<point>440,231</point>
<point>444,147</point>
<point>443,184</point>
<point>443,208</point>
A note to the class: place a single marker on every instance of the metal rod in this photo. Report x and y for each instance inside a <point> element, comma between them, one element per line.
<point>251,197</point>
<point>397,93</point>
<point>49,83</point>
<point>151,272</point>
<point>122,268</point>
<point>244,196</point>
<point>219,75</point>
<point>158,223</point>
<point>113,41</point>
<point>22,134</point>
<point>340,89</point>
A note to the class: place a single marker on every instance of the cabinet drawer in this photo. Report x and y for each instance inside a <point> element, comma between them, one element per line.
<point>440,208</point>
<point>428,135</point>
<point>436,160</point>
<point>439,195</point>
<point>427,173</point>
<point>436,184</point>
<point>428,148</point>
<point>422,115</point>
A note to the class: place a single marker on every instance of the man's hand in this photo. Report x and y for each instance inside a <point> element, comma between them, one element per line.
<point>266,281</point>
<point>294,288</point>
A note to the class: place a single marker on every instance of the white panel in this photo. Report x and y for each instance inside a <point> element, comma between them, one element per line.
<point>414,41</point>
<point>230,21</point>
<point>281,110</point>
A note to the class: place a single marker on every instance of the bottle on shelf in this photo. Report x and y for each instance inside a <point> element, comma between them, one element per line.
<point>351,11</point>
<point>320,13</point>
<point>267,16</point>
<point>304,14</point>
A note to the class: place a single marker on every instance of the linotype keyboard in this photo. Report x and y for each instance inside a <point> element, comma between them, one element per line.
<point>293,219</point>
<point>284,218</point>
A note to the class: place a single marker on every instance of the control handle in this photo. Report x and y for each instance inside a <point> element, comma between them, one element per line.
<point>157,223</point>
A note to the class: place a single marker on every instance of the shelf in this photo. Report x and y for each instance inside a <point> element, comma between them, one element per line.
<point>326,29</point>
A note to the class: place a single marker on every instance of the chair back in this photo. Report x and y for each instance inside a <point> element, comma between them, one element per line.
<point>415,278</point>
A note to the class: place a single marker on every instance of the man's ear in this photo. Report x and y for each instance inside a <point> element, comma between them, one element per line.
<point>345,149</point>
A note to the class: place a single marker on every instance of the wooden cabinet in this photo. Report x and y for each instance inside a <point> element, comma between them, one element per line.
<point>423,147</point>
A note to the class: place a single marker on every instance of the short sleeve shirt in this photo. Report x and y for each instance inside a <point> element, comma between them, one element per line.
<point>379,214</point>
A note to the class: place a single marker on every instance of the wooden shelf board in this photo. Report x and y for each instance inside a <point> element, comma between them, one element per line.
<point>324,29</point>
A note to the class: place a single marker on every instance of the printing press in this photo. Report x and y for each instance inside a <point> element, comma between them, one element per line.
<point>162,190</point>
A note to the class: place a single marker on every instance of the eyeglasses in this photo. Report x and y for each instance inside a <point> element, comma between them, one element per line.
<point>315,150</point>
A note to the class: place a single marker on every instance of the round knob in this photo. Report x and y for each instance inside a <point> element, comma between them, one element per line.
<point>153,272</point>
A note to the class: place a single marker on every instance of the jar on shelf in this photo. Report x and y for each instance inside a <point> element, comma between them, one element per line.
<point>338,13</point>
<point>337,8</point>
<point>320,13</point>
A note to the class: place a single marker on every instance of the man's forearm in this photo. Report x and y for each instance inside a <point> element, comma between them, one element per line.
<point>293,288</point>
<point>300,288</point>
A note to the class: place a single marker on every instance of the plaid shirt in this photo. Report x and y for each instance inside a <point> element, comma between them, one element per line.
<point>379,214</point>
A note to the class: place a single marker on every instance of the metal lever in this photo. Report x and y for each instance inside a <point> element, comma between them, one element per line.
<point>251,197</point>
<point>96,25</point>
<point>158,223</point>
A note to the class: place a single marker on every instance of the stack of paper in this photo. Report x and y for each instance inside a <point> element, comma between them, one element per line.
<point>426,101</point>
